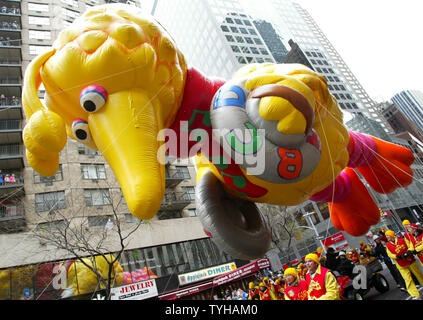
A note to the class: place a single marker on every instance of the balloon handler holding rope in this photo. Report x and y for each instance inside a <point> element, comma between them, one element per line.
<point>116,82</point>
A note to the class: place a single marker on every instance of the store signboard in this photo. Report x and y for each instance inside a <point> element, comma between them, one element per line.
<point>204,274</point>
<point>338,237</point>
<point>244,271</point>
<point>135,291</point>
<point>336,241</point>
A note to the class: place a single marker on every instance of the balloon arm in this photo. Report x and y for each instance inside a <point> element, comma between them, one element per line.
<point>361,149</point>
<point>338,191</point>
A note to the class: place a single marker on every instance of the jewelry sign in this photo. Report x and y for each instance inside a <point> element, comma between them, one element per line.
<point>135,291</point>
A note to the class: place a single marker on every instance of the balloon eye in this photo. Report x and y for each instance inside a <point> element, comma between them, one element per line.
<point>81,131</point>
<point>93,98</point>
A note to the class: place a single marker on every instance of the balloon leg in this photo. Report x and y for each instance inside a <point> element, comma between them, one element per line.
<point>351,206</point>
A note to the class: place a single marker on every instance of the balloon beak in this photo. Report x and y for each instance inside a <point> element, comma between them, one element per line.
<point>125,131</point>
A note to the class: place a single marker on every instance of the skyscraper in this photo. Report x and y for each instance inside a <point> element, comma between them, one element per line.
<point>410,103</point>
<point>272,39</point>
<point>218,38</point>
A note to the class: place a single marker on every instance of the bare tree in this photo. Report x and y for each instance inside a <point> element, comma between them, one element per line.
<point>73,235</point>
<point>282,224</point>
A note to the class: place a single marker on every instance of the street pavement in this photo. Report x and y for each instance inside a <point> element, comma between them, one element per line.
<point>394,292</point>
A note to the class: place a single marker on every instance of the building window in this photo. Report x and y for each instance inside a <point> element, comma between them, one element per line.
<point>309,209</point>
<point>83,149</point>
<point>73,3</point>
<point>253,32</point>
<point>70,14</point>
<point>50,201</point>
<point>234,30</point>
<point>49,180</point>
<point>39,20</point>
<point>264,51</point>
<point>229,20</point>
<point>241,60</point>
<point>37,7</point>
<point>93,171</point>
<point>249,40</point>
<point>97,197</point>
<point>189,193</point>
<point>184,172</point>
<point>37,50</point>
<point>243,30</point>
<point>257,41</point>
<point>247,23</point>
<point>52,226</point>
<point>192,212</point>
<point>235,49</point>
<point>224,28</point>
<point>99,221</point>
<point>245,50</point>
<point>230,38</point>
<point>169,214</point>
<point>39,35</point>
<point>237,21</point>
<point>129,218</point>
<point>239,39</point>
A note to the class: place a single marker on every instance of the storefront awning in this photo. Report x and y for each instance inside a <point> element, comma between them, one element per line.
<point>239,273</point>
<point>176,294</point>
<point>242,272</point>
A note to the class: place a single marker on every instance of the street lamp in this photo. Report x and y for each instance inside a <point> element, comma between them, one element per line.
<point>310,222</point>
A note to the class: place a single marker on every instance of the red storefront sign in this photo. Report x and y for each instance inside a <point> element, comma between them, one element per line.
<point>338,237</point>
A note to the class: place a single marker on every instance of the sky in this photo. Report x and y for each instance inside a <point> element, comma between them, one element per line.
<point>381,41</point>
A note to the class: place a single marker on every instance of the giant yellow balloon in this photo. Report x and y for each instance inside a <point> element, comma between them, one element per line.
<point>116,81</point>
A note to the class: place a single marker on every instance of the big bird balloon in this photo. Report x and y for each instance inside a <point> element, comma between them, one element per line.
<point>116,82</point>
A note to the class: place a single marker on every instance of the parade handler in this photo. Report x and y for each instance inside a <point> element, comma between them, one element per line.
<point>296,289</point>
<point>264,292</point>
<point>322,284</point>
<point>413,239</point>
<point>253,293</point>
<point>272,289</point>
<point>398,251</point>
